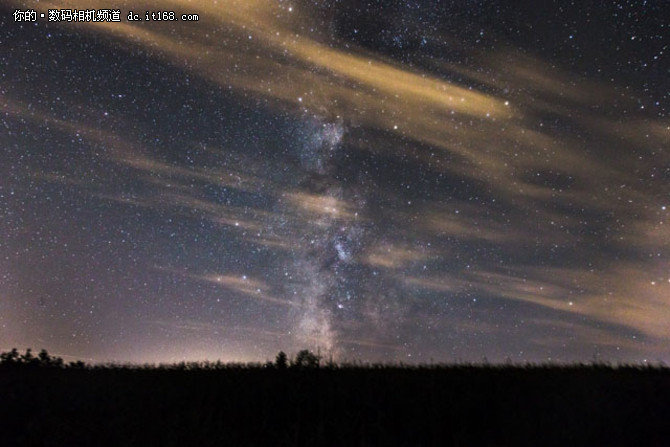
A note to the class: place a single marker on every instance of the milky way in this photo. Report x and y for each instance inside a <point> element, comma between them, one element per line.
<point>412,181</point>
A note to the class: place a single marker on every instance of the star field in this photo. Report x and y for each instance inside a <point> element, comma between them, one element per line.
<point>395,181</point>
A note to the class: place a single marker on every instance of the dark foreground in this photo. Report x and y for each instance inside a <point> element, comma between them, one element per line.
<point>593,405</point>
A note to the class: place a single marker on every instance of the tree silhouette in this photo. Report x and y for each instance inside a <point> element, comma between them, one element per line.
<point>28,358</point>
<point>77,365</point>
<point>306,359</point>
<point>43,359</point>
<point>10,358</point>
<point>281,361</point>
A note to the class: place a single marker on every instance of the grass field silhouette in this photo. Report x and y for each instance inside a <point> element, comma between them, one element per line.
<point>301,401</point>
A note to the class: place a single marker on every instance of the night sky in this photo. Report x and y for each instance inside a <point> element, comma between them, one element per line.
<point>378,180</point>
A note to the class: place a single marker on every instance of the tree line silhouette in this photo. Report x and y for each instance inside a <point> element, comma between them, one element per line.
<point>13,359</point>
<point>304,359</point>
